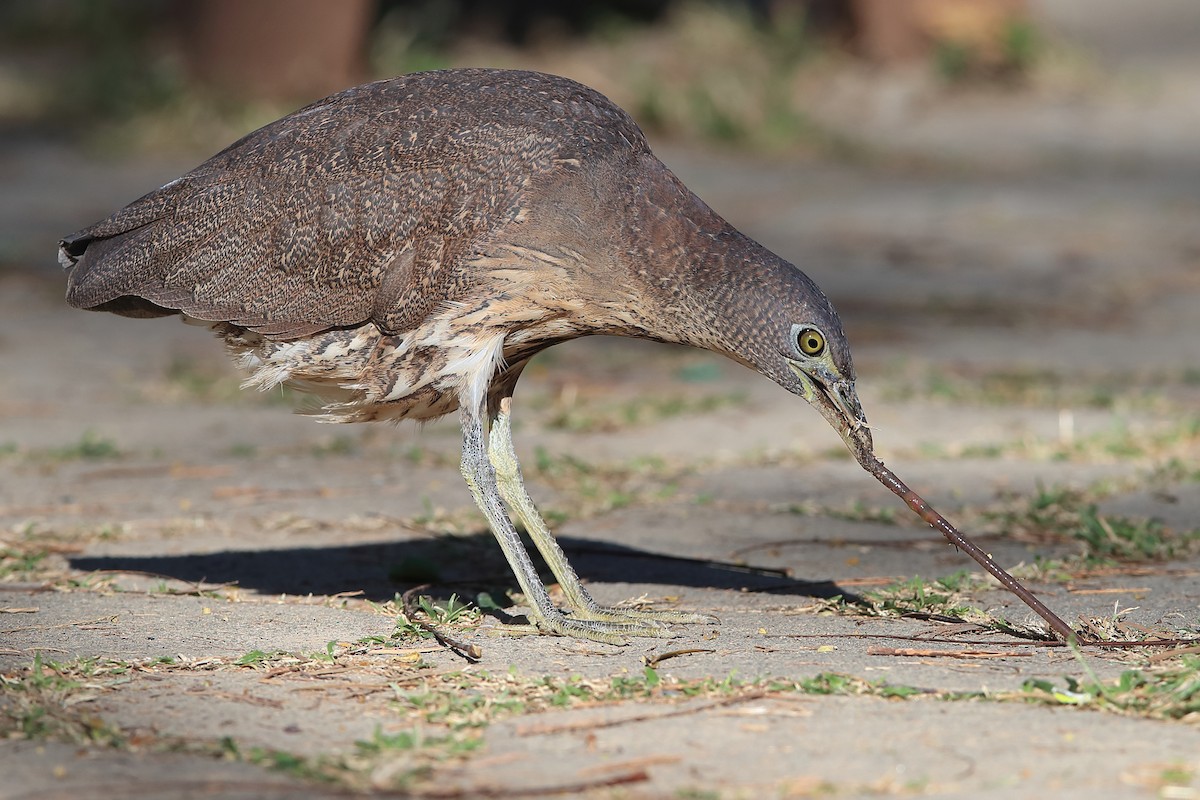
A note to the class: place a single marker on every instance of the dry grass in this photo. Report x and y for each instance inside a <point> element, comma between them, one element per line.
<point>438,716</point>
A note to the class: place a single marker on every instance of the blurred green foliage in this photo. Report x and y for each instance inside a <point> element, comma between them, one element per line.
<point>116,69</point>
<point>1020,46</point>
<point>729,73</point>
<point>93,58</point>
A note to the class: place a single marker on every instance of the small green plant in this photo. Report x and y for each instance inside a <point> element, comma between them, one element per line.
<point>565,694</point>
<point>37,702</point>
<point>692,793</point>
<point>1009,55</point>
<point>1063,513</point>
<point>943,598</point>
<point>320,769</point>
<point>327,654</point>
<point>90,447</point>
<point>918,595</point>
<point>380,741</point>
<point>960,581</point>
<point>1171,692</point>
<point>255,658</point>
<point>1123,539</point>
<point>455,611</point>
<point>21,562</point>
<point>1179,775</point>
<point>643,685</point>
<point>1021,45</point>
<point>832,683</point>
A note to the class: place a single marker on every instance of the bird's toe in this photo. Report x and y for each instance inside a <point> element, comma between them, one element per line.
<point>644,621</point>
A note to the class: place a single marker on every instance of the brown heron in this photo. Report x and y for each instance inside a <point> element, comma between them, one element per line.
<point>402,249</point>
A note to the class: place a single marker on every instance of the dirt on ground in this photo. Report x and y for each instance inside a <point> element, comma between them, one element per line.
<point>199,591</point>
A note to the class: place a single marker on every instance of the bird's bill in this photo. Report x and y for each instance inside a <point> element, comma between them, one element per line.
<point>838,403</point>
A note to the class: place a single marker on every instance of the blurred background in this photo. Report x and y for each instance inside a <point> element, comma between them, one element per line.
<point>982,186</point>
<point>161,83</point>
<point>154,85</point>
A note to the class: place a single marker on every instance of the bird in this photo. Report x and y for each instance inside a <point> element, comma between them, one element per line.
<point>402,249</point>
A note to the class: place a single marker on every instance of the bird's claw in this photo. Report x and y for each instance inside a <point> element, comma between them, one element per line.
<point>653,618</point>
<point>615,625</point>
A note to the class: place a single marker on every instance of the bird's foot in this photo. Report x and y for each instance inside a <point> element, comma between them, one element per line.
<point>614,624</point>
<point>608,631</point>
<point>650,617</point>
<point>610,625</point>
<point>572,629</point>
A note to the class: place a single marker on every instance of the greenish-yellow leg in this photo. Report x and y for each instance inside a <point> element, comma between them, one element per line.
<point>581,605</point>
<point>481,478</point>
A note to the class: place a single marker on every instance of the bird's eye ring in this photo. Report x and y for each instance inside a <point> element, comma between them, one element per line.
<point>810,341</point>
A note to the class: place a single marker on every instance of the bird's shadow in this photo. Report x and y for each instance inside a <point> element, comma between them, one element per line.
<point>466,564</point>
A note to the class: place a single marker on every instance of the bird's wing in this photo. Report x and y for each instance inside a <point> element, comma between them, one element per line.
<point>310,223</point>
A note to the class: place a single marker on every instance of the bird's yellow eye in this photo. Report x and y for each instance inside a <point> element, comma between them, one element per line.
<point>810,342</point>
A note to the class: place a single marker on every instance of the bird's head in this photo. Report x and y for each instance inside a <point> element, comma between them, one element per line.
<point>775,319</point>
<point>818,368</point>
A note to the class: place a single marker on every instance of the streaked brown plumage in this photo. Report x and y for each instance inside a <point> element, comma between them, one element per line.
<point>403,248</point>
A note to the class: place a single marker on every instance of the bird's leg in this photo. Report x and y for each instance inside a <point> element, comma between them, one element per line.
<point>512,488</point>
<point>481,478</point>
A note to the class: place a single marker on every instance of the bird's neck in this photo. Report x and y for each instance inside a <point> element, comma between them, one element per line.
<point>702,279</point>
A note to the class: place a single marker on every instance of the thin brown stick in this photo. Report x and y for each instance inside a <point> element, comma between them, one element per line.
<point>592,724</point>
<point>939,523</point>
<point>921,652</point>
<point>1120,644</point>
<point>101,621</point>
<point>1169,654</point>
<point>641,762</point>
<point>198,587</point>
<point>655,660</point>
<point>1113,590</point>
